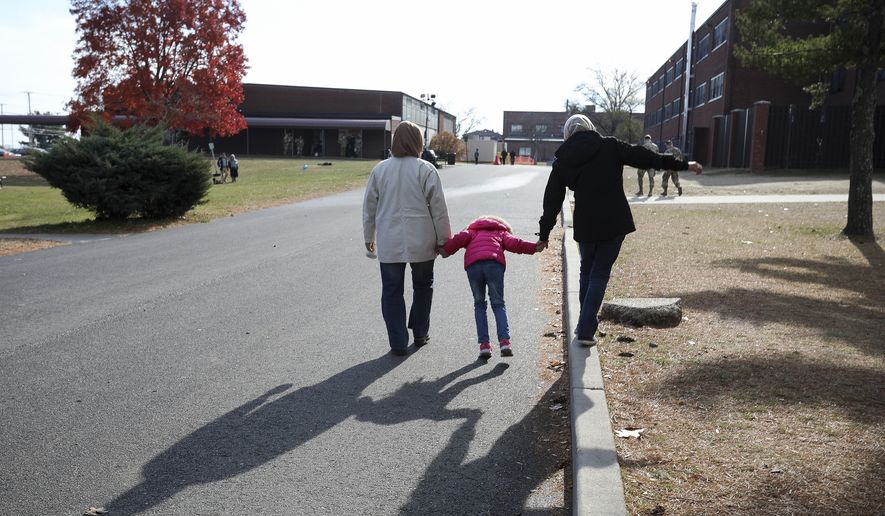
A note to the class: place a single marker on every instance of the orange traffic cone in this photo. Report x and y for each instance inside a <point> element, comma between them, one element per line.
<point>496,160</point>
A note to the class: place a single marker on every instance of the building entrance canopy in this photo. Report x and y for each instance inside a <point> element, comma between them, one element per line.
<point>317,123</point>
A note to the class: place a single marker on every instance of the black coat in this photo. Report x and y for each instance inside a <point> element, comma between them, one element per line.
<point>593,167</point>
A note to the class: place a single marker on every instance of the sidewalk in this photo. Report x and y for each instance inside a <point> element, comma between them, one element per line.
<point>743,199</point>
<point>597,487</point>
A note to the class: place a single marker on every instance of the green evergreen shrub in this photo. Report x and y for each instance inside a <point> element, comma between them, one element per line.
<point>122,173</point>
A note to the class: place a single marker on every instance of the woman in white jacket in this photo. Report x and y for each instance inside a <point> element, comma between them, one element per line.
<point>406,219</point>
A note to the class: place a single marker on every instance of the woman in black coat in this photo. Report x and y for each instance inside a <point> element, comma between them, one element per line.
<point>593,166</point>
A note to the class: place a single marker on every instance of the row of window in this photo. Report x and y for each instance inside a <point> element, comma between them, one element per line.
<point>540,129</point>
<point>670,110</point>
<point>717,86</point>
<point>420,113</point>
<point>706,45</point>
<point>667,78</point>
<point>703,93</point>
<point>720,36</point>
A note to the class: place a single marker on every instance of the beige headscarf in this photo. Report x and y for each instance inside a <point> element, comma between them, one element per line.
<point>575,124</point>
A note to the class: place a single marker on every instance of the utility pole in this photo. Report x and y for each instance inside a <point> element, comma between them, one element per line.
<point>30,126</point>
<point>2,130</point>
<point>686,81</point>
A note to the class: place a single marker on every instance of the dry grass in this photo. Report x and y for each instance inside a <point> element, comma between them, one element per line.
<point>10,246</point>
<point>768,398</point>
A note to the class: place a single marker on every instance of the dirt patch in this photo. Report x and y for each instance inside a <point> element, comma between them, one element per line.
<point>769,397</point>
<point>10,246</point>
<point>553,425</point>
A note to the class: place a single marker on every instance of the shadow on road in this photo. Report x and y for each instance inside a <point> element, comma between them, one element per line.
<point>251,435</point>
<point>502,481</point>
<point>263,429</point>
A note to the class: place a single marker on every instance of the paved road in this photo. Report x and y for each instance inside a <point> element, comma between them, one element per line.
<point>240,366</point>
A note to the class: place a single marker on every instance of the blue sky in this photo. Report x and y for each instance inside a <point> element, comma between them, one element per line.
<point>500,55</point>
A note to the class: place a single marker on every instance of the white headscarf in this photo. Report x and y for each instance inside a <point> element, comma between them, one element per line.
<point>576,123</point>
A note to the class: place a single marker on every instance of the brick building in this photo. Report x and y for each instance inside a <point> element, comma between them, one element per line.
<point>534,134</point>
<point>740,117</point>
<point>328,122</point>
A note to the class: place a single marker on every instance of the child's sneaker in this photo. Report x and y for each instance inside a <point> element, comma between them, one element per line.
<point>485,350</point>
<point>505,348</point>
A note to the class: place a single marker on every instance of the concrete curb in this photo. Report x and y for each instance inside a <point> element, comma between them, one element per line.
<point>597,486</point>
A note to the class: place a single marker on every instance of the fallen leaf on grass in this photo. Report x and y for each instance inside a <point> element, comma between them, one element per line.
<point>777,470</point>
<point>95,511</point>
<point>558,406</point>
<point>746,242</point>
<point>625,338</point>
<point>625,354</point>
<point>627,433</point>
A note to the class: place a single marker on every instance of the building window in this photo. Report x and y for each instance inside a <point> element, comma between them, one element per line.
<point>716,84</point>
<point>720,33</point>
<point>703,47</point>
<point>668,111</point>
<point>525,151</point>
<point>516,128</point>
<point>679,66</point>
<point>541,129</point>
<point>674,111</point>
<point>700,95</point>
<point>669,76</point>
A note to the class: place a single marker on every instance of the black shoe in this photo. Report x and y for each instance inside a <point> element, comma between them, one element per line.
<point>679,189</point>
<point>421,341</point>
<point>664,193</point>
<point>399,352</point>
<point>639,193</point>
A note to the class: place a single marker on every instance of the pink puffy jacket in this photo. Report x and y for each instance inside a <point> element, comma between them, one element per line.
<point>487,239</point>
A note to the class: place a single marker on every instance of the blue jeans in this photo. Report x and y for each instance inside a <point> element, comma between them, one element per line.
<point>597,260</point>
<point>393,304</point>
<point>482,275</point>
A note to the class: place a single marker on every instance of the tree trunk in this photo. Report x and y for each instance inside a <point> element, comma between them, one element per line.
<point>863,111</point>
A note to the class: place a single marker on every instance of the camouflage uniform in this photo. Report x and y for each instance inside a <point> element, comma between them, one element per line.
<point>672,149</point>
<point>648,144</point>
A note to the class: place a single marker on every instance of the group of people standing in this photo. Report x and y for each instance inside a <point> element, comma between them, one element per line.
<point>228,166</point>
<point>504,155</point>
<point>406,222</point>
<point>668,174</point>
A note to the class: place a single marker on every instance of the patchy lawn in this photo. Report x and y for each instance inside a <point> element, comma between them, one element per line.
<point>29,205</point>
<point>769,398</point>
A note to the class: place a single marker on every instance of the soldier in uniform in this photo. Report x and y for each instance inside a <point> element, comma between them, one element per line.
<point>650,145</point>
<point>676,153</point>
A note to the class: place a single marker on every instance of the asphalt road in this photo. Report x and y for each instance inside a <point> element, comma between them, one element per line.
<point>240,366</point>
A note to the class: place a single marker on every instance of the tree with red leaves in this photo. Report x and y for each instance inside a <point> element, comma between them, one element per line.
<point>174,63</point>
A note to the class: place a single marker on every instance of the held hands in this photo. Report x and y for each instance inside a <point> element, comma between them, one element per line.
<point>695,167</point>
<point>541,245</point>
<point>442,252</point>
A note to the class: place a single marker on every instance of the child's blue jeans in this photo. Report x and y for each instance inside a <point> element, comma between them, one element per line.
<point>483,275</point>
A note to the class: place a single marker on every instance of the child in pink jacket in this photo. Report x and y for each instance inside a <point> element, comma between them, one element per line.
<point>486,239</point>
